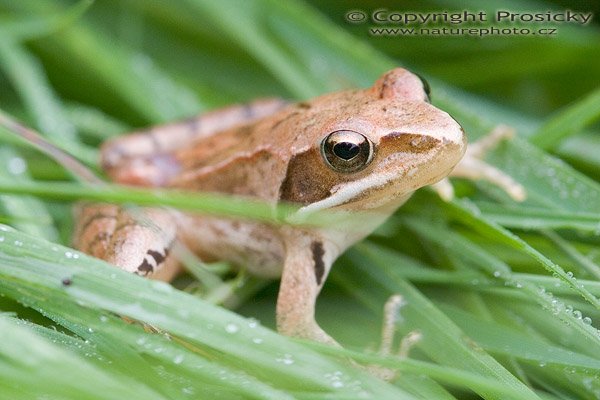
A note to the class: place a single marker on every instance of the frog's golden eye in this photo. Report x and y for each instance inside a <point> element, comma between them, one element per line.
<point>347,151</point>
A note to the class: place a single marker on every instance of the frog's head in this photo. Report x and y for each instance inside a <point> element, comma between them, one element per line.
<point>372,148</point>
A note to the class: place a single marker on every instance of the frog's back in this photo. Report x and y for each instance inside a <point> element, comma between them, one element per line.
<point>161,156</point>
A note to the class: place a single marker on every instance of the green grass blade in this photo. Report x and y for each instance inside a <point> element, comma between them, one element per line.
<point>525,217</point>
<point>28,77</point>
<point>32,27</point>
<point>471,218</point>
<point>59,373</point>
<point>32,269</point>
<point>24,208</point>
<point>568,122</point>
<point>443,341</point>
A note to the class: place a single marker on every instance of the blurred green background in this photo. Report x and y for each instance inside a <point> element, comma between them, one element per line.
<point>532,74</point>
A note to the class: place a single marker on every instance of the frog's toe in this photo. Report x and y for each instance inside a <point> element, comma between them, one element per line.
<point>391,311</point>
<point>444,189</point>
<point>390,316</point>
<point>476,169</point>
<point>473,167</point>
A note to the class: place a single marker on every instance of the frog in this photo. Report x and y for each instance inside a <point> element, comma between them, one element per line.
<point>358,153</point>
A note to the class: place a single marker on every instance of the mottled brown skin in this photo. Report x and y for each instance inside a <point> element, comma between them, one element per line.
<point>272,151</point>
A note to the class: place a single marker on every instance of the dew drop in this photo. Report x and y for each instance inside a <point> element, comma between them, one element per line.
<point>257,340</point>
<point>587,320</point>
<point>188,390</point>
<point>178,359</point>
<point>1,238</point>
<point>497,274</point>
<point>231,328</point>
<point>68,254</point>
<point>18,243</point>
<point>577,314</point>
<point>286,359</point>
<point>569,274</point>
<point>103,318</point>
<point>569,309</point>
<point>16,166</point>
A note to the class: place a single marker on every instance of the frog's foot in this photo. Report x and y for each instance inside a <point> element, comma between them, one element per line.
<point>473,167</point>
<point>390,315</point>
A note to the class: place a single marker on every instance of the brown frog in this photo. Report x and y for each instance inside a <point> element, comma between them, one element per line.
<point>357,152</point>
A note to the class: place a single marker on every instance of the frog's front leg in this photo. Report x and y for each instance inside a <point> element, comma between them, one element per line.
<point>307,264</point>
<point>137,240</point>
<point>472,166</point>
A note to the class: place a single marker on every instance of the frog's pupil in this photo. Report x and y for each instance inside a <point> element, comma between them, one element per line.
<point>346,150</point>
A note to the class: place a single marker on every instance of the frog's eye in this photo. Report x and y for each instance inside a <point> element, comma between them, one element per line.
<point>347,151</point>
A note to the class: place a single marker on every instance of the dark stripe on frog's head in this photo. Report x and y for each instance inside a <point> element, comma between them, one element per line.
<point>307,178</point>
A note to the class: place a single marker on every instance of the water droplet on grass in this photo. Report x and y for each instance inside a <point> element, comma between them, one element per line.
<point>178,359</point>
<point>231,328</point>
<point>188,390</point>
<point>286,359</point>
